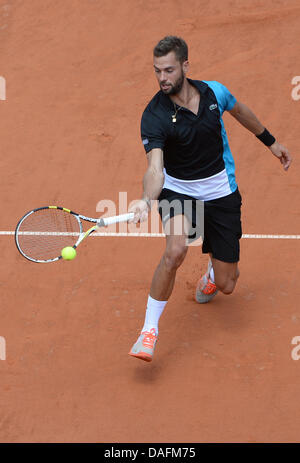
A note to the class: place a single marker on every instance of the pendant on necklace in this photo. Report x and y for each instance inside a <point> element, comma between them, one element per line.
<point>173,117</point>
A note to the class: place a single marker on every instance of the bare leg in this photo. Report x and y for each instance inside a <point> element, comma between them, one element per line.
<point>162,286</point>
<point>226,275</point>
<point>176,249</point>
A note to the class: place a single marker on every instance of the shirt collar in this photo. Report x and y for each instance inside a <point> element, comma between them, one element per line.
<point>202,86</point>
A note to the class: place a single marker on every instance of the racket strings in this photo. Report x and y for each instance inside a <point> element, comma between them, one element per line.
<point>44,233</point>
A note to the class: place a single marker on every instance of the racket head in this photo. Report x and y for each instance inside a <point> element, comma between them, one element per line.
<point>42,233</point>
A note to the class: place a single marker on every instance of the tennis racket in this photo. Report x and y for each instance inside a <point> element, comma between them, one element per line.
<point>42,233</point>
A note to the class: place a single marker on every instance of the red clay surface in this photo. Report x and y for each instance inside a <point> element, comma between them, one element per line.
<point>79,73</point>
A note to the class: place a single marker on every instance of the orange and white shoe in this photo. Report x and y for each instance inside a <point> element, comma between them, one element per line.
<point>206,289</point>
<point>144,347</point>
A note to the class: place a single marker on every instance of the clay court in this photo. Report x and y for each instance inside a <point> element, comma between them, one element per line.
<point>78,76</point>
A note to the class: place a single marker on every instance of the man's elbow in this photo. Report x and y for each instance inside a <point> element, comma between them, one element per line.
<point>236,111</point>
<point>158,174</point>
<point>156,170</point>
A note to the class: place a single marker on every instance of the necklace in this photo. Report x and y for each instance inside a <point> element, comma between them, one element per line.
<point>176,111</point>
<point>174,119</point>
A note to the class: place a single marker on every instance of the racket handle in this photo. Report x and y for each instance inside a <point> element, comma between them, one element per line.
<point>116,219</point>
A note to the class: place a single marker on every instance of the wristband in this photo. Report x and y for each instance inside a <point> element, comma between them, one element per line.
<point>266,138</point>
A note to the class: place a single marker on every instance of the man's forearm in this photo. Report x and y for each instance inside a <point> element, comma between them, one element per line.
<point>245,116</point>
<point>152,183</point>
<point>248,119</point>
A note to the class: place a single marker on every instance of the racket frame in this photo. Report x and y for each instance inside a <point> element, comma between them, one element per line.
<point>103,222</point>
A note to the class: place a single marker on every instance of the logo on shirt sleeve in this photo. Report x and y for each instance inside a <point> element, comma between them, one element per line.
<point>213,106</point>
<point>145,141</point>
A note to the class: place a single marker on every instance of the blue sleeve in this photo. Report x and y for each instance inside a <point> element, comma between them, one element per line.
<point>226,100</point>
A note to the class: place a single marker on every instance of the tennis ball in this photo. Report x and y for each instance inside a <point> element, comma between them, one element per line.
<point>68,253</point>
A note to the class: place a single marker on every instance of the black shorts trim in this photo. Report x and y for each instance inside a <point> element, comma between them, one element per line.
<point>222,223</point>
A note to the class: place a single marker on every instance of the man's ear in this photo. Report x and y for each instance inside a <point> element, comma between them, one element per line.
<point>185,67</point>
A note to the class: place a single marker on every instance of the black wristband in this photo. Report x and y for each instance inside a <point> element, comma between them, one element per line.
<point>266,138</point>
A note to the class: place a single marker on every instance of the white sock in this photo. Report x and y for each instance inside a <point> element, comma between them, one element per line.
<point>212,275</point>
<point>153,312</point>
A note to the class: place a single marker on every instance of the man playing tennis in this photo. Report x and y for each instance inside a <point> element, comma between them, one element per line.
<point>189,158</point>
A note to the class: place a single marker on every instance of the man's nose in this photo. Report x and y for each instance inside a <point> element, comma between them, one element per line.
<point>162,77</point>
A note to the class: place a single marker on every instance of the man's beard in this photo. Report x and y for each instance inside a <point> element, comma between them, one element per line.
<point>174,89</point>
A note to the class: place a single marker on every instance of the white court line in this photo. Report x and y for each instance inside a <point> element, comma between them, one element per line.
<point>146,235</point>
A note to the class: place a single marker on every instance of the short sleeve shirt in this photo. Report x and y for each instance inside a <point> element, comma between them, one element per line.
<point>193,146</point>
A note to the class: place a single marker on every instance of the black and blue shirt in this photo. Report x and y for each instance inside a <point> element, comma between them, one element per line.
<point>195,148</point>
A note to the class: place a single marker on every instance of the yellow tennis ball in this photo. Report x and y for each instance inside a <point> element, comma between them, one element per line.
<point>68,253</point>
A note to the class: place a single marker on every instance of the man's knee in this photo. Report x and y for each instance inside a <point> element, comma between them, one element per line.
<point>227,284</point>
<point>228,287</point>
<point>174,255</point>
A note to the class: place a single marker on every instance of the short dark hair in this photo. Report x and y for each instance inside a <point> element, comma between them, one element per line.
<point>172,43</point>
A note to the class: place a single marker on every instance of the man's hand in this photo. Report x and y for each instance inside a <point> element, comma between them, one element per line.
<point>140,209</point>
<point>282,154</point>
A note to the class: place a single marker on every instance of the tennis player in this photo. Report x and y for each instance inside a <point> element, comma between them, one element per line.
<point>189,159</point>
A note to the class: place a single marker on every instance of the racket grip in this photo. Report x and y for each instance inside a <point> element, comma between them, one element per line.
<point>116,219</point>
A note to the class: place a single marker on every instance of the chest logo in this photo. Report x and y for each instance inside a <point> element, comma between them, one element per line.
<point>213,106</point>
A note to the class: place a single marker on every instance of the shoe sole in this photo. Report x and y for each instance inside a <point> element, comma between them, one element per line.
<point>204,298</point>
<point>142,356</point>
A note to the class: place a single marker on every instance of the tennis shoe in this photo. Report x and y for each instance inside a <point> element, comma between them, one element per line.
<point>144,347</point>
<point>206,289</point>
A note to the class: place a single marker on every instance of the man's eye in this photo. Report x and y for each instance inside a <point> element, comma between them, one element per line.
<point>169,71</point>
